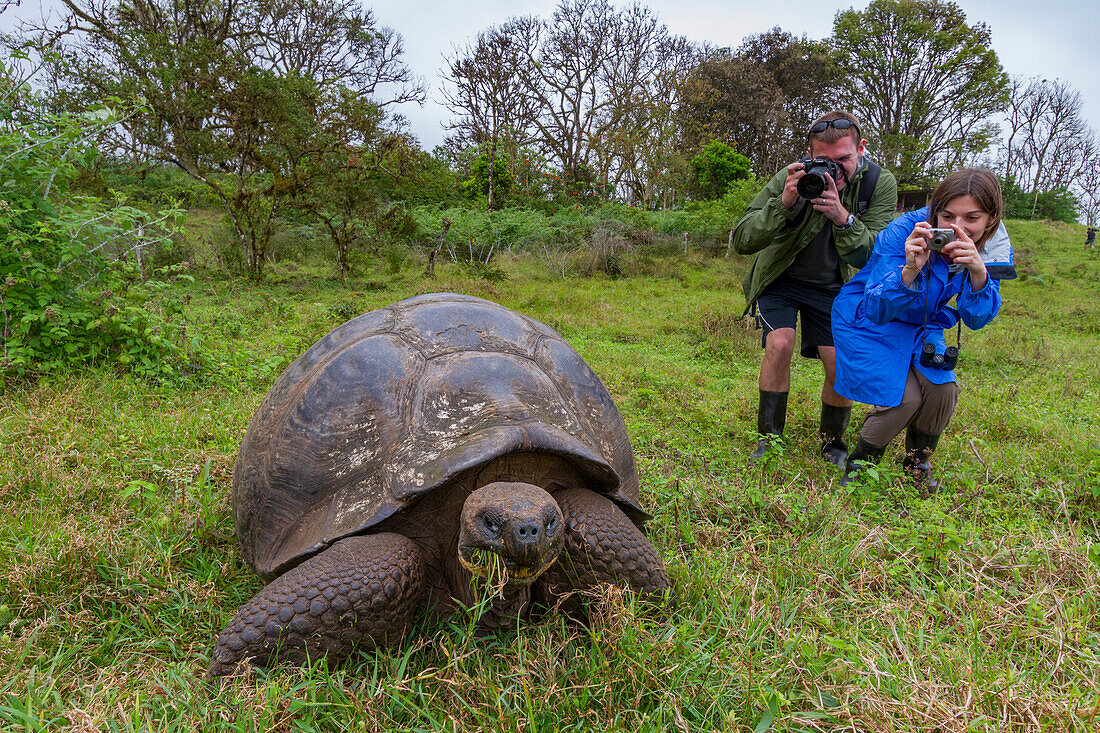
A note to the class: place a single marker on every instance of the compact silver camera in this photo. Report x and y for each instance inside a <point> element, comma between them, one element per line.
<point>939,237</point>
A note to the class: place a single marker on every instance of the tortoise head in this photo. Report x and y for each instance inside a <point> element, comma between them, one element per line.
<point>518,523</point>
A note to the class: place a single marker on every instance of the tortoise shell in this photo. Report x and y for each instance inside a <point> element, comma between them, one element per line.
<point>397,402</point>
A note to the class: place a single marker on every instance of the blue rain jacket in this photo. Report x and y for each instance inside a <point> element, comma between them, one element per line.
<point>878,321</point>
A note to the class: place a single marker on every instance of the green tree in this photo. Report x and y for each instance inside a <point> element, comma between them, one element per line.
<point>923,82</point>
<point>432,180</point>
<point>761,99</point>
<point>337,158</point>
<point>348,191</point>
<point>231,90</point>
<point>716,168</point>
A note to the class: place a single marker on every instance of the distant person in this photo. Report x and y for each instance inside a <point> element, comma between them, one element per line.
<point>806,227</point>
<point>1090,237</point>
<point>889,320</point>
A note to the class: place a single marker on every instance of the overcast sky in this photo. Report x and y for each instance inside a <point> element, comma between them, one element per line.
<point>1053,39</point>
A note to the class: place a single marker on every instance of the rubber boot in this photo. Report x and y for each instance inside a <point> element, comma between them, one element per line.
<point>834,421</point>
<point>771,417</point>
<point>919,447</point>
<point>863,455</point>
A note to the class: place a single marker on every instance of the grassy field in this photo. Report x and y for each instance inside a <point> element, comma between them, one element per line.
<point>803,607</point>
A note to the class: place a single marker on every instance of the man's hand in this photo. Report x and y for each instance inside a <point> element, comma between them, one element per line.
<point>829,203</point>
<point>789,197</point>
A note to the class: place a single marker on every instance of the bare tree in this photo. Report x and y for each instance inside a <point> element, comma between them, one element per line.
<point>1087,185</point>
<point>563,64</point>
<point>1014,156</point>
<point>595,78</point>
<point>1049,142</point>
<point>643,71</point>
<point>1055,130</point>
<point>486,89</point>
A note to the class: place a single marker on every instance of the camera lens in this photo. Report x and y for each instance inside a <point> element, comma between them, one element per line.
<point>811,185</point>
<point>938,241</point>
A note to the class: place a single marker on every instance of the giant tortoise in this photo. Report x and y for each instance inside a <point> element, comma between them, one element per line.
<point>405,452</point>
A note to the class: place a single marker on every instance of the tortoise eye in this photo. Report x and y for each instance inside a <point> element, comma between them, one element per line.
<point>491,526</point>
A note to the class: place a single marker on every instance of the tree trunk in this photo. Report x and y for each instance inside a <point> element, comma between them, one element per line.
<point>492,170</point>
<point>429,271</point>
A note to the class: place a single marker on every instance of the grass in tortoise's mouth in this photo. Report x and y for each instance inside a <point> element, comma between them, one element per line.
<point>495,571</point>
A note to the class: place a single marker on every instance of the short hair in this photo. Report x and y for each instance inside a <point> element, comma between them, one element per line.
<point>831,134</point>
<point>977,182</point>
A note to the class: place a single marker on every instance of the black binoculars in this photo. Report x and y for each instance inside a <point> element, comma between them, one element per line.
<point>946,360</point>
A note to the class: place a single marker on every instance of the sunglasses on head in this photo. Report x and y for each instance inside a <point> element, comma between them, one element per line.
<point>841,124</point>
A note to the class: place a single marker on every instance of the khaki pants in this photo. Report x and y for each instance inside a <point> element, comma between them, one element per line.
<point>926,406</point>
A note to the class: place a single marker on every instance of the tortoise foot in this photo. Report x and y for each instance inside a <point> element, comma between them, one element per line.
<point>602,545</point>
<point>360,592</point>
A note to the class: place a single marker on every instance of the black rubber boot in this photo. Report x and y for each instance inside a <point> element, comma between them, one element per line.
<point>834,422</point>
<point>771,417</point>
<point>919,447</point>
<point>862,455</point>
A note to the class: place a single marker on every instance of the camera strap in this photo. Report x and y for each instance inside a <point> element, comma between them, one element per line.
<point>928,308</point>
<point>867,186</point>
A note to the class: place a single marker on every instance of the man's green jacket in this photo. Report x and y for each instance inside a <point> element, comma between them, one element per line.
<point>778,235</point>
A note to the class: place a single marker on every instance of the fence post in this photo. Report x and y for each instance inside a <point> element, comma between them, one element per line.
<point>685,242</point>
<point>729,244</point>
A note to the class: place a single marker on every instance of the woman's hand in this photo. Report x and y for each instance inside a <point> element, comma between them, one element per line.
<point>916,252</point>
<point>965,252</point>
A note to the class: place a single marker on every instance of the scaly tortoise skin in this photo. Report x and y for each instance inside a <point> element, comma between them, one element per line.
<point>399,448</point>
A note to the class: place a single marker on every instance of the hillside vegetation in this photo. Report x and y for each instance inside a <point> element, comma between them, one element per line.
<point>802,606</point>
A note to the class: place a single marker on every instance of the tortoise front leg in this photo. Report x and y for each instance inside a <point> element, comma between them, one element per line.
<point>361,591</point>
<point>602,545</point>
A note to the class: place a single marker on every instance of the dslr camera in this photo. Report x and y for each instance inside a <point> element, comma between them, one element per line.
<point>811,185</point>
<point>946,360</point>
<point>939,237</point>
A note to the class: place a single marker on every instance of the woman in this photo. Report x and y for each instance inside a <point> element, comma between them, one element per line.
<point>886,315</point>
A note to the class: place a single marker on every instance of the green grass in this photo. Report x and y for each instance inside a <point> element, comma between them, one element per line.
<point>802,606</point>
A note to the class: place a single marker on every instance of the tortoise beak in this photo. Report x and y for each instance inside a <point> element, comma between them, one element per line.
<point>526,573</point>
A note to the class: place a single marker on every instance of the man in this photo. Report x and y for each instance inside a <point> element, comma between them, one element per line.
<point>804,247</point>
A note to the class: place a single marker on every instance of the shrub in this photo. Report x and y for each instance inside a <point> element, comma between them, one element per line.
<point>1055,205</point>
<point>73,287</point>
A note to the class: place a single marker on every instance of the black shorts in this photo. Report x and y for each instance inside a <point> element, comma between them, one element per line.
<point>786,298</point>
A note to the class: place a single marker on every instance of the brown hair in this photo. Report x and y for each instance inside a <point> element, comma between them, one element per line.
<point>830,134</point>
<point>976,182</point>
